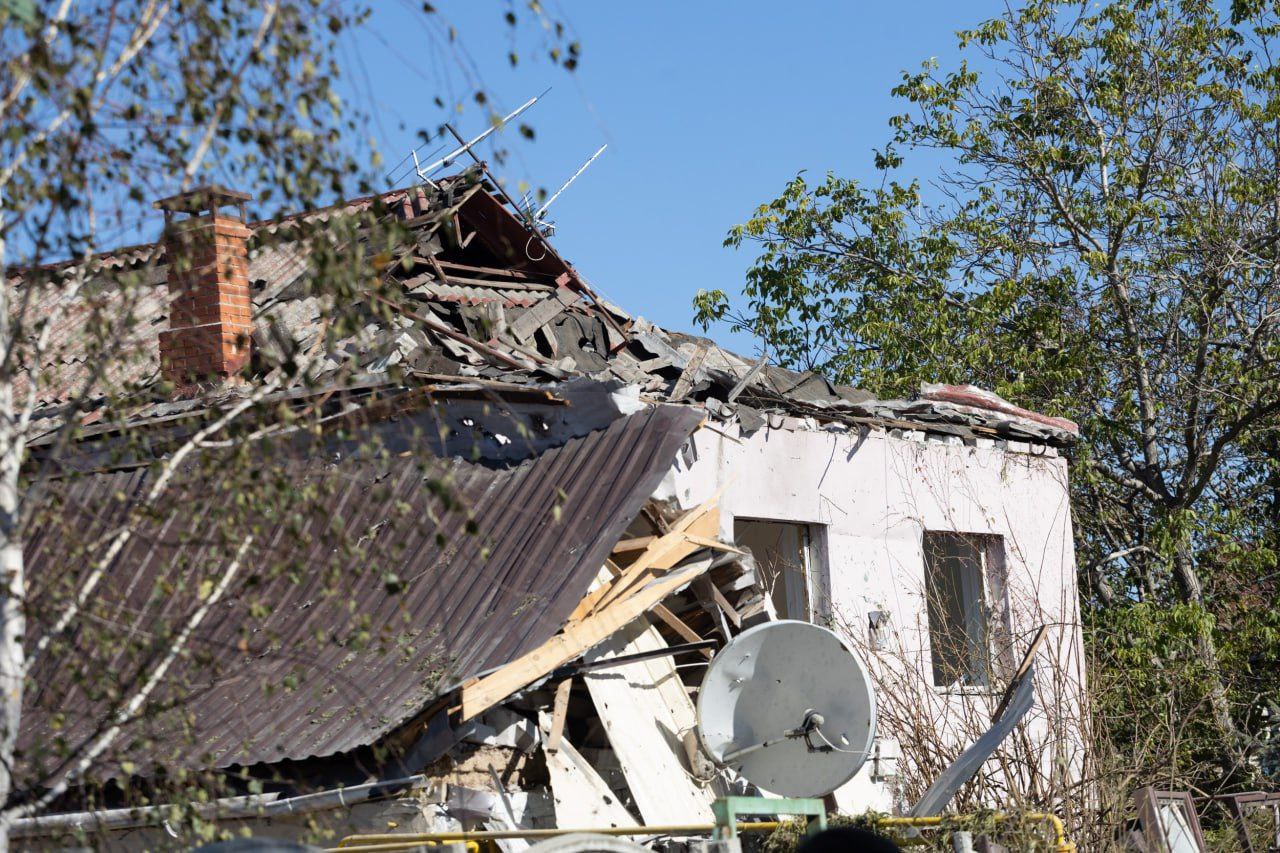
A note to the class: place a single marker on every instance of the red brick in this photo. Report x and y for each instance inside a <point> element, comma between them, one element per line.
<point>211,308</point>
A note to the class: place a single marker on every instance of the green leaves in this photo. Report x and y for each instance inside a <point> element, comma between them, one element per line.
<point>1099,244</point>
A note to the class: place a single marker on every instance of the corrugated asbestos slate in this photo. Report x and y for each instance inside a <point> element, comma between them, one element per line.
<point>473,603</point>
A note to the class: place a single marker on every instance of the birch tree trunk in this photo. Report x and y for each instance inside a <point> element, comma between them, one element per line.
<point>12,579</point>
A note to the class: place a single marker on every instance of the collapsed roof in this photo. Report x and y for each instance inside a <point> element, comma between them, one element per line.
<point>485,295</point>
<point>488,581</point>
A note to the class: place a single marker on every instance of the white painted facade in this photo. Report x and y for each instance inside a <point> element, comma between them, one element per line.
<point>870,495</point>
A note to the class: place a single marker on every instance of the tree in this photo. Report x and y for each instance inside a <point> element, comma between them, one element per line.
<point>1101,243</point>
<point>107,106</point>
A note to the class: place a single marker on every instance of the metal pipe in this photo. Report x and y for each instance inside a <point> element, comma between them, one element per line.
<point>467,146</point>
<point>356,843</point>
<point>251,806</point>
<point>621,660</point>
<point>1061,844</point>
<point>538,216</point>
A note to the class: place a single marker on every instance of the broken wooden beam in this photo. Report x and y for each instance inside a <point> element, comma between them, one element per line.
<point>507,273</point>
<point>482,694</point>
<point>690,374</point>
<point>442,328</point>
<point>559,712</point>
<point>639,543</point>
<point>710,594</point>
<point>664,552</point>
<point>675,623</point>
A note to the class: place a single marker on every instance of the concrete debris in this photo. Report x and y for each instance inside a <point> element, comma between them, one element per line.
<point>501,727</point>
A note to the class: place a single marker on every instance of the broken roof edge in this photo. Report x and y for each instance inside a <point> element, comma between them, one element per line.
<point>139,254</point>
<point>679,369</point>
<point>955,410</point>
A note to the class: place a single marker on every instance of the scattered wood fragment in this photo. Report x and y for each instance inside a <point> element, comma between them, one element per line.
<point>723,603</point>
<point>690,374</point>
<point>747,379</point>
<point>439,271</point>
<point>713,544</point>
<point>644,709</point>
<point>482,694</point>
<point>603,580</point>
<point>639,543</point>
<point>662,553</point>
<point>506,273</point>
<point>558,714</point>
<point>442,328</point>
<point>580,796</point>
<point>675,623</point>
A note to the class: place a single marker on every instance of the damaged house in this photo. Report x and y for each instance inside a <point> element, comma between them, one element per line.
<point>609,490</point>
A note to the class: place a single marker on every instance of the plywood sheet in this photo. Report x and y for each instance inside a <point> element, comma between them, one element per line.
<point>645,711</point>
<point>582,799</point>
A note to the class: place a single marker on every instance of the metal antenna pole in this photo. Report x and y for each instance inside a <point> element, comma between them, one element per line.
<point>496,183</point>
<point>418,169</point>
<point>575,176</point>
<point>467,146</point>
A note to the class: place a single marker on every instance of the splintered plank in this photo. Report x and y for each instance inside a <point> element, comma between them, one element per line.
<point>675,623</point>
<point>559,712</point>
<point>482,694</point>
<point>690,374</point>
<point>581,797</point>
<point>645,710</point>
<point>662,553</point>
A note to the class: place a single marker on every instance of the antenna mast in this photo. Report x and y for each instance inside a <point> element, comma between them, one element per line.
<point>424,171</point>
<point>583,168</point>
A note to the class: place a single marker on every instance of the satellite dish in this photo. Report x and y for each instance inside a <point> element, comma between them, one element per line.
<point>790,707</point>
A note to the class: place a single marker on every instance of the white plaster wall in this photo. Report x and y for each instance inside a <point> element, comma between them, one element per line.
<point>876,493</point>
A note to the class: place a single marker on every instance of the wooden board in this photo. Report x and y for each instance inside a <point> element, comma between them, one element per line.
<point>581,797</point>
<point>482,694</point>
<point>646,710</point>
<point>661,553</point>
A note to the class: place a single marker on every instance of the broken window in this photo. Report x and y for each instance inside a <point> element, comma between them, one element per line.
<point>967,606</point>
<point>784,553</point>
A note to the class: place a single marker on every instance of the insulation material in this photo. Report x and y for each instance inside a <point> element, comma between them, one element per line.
<point>646,712</point>
<point>582,799</point>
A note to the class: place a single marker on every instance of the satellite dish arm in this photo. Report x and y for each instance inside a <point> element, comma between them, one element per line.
<point>811,727</point>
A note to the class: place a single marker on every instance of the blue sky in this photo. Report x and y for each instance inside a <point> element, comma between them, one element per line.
<point>708,108</point>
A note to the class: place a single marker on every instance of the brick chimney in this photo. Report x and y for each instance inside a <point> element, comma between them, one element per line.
<point>210,326</point>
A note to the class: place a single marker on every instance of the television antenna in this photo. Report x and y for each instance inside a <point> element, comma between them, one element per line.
<point>538,214</point>
<point>790,707</point>
<point>424,172</point>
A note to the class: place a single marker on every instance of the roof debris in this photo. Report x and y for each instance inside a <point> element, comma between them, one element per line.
<point>486,310</point>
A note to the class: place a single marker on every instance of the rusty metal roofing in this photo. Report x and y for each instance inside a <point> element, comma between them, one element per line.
<point>301,679</point>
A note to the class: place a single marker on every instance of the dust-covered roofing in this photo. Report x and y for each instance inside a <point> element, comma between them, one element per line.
<point>485,295</point>
<point>342,658</point>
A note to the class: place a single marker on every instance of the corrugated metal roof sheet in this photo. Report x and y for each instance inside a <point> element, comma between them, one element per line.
<point>469,602</point>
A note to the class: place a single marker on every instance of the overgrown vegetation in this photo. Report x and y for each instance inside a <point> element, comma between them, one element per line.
<point>108,106</point>
<point>1101,243</point>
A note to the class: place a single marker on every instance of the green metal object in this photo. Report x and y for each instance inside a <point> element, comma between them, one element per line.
<point>727,809</point>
